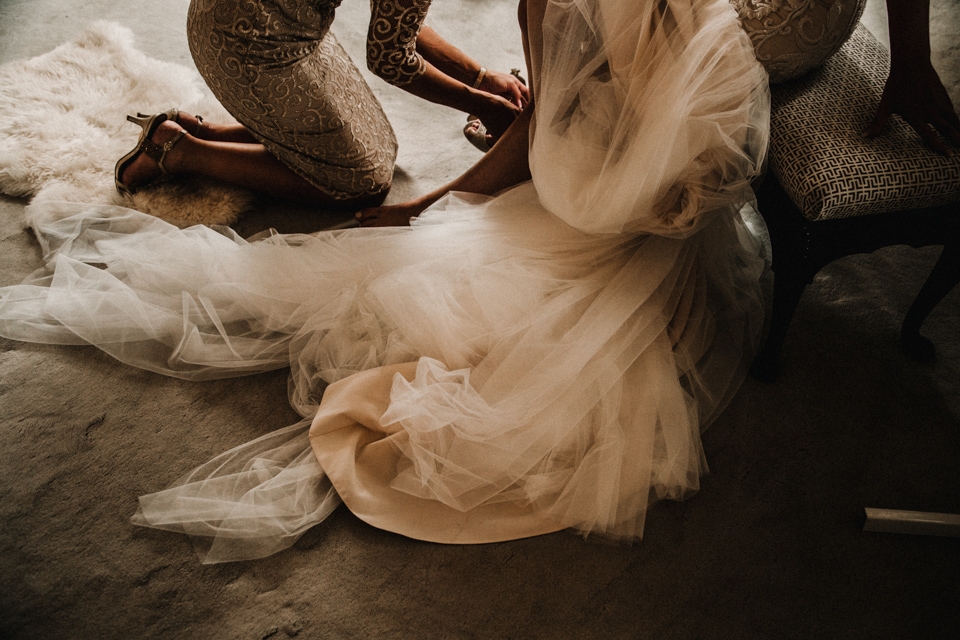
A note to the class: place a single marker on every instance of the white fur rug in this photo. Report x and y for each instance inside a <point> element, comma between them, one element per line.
<point>63,127</point>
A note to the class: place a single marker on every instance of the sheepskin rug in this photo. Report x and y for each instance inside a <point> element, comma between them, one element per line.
<point>63,127</point>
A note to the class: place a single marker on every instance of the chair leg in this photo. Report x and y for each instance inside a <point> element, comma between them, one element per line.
<point>788,287</point>
<point>944,277</point>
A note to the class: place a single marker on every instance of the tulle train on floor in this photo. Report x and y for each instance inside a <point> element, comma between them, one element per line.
<point>509,366</point>
<point>546,376</point>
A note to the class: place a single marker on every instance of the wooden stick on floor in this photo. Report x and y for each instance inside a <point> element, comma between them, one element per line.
<point>913,522</point>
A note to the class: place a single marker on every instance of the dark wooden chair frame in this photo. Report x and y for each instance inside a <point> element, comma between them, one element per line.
<point>801,248</point>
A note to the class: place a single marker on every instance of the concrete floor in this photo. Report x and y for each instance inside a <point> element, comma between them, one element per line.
<point>771,547</point>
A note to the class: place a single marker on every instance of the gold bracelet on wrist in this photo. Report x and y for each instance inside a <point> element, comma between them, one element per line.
<point>483,72</point>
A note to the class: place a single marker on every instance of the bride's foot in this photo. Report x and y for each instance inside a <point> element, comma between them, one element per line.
<point>155,156</point>
<point>398,215</point>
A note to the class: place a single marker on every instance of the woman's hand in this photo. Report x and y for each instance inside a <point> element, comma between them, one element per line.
<point>913,89</point>
<point>916,94</point>
<point>496,114</point>
<point>507,86</point>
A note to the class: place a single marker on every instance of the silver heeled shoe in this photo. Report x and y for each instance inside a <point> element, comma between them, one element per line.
<point>475,132</point>
<point>148,125</point>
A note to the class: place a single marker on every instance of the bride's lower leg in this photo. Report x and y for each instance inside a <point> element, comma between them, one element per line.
<point>530,16</point>
<point>504,166</point>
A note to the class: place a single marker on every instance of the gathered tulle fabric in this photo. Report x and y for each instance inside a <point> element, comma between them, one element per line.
<point>249,502</point>
<point>542,360</point>
<point>651,117</point>
<point>582,370</point>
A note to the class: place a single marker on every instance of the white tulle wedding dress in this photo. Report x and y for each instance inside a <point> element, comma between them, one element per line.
<point>542,360</point>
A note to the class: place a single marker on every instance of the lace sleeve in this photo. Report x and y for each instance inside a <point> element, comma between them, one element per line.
<point>392,40</point>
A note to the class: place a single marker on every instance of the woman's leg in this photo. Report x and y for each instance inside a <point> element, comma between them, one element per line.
<point>313,130</point>
<point>506,164</point>
<point>203,130</point>
<point>530,14</point>
<point>243,164</point>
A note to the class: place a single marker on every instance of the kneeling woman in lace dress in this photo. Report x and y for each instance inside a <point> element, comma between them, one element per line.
<point>310,129</point>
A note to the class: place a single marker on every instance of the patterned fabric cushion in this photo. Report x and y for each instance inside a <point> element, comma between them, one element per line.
<point>791,37</point>
<point>819,154</point>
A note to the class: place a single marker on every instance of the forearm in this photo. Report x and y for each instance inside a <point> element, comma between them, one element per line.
<point>909,25</point>
<point>404,52</point>
<point>416,59</point>
<point>448,59</point>
<point>913,89</point>
<point>435,86</point>
<point>438,87</point>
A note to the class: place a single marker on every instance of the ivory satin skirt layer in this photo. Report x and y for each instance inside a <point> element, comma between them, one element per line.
<point>542,360</point>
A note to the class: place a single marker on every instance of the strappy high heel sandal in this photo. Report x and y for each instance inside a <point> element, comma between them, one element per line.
<point>176,118</point>
<point>154,151</point>
<point>475,132</point>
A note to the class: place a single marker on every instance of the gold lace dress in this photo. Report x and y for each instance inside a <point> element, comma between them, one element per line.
<point>277,68</point>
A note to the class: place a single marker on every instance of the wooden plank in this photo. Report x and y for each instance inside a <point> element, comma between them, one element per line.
<point>922,523</point>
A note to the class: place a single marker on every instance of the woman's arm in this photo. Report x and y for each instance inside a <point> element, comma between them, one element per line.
<point>418,60</point>
<point>495,112</point>
<point>451,61</point>
<point>913,89</point>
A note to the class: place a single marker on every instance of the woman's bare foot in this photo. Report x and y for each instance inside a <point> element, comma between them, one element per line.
<point>144,170</point>
<point>397,215</point>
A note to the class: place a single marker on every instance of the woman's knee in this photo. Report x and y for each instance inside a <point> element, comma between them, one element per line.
<point>374,181</point>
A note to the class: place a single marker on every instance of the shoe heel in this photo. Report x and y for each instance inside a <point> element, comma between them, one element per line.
<point>140,119</point>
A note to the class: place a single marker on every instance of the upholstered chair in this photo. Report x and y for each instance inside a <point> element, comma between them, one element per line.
<point>829,191</point>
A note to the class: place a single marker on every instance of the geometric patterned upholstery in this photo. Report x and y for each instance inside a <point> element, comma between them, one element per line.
<point>821,158</point>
